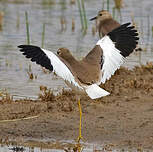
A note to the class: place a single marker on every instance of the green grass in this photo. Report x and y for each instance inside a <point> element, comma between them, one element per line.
<point>107,5</point>
<point>103,4</point>
<point>82,13</point>
<point>43,36</point>
<point>27,28</point>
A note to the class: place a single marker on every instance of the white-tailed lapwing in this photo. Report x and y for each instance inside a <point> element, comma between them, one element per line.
<point>105,23</point>
<point>95,68</point>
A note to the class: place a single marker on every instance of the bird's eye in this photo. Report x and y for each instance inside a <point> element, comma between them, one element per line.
<point>58,52</point>
<point>100,14</point>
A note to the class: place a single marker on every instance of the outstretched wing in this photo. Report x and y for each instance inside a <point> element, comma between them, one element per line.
<point>50,61</point>
<point>125,38</point>
<point>115,47</point>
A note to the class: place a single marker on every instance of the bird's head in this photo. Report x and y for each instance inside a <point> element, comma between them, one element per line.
<point>64,53</point>
<point>102,15</point>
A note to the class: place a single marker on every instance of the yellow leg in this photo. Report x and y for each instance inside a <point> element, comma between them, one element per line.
<point>78,147</point>
<point>80,110</point>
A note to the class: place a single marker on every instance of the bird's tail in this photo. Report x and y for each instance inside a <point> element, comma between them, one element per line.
<point>94,91</point>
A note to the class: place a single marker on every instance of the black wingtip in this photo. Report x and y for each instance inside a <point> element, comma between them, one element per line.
<point>37,55</point>
<point>27,46</point>
<point>22,46</point>
<point>125,38</point>
<point>19,46</point>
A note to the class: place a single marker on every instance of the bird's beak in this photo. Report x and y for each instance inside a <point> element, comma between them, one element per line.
<point>94,18</point>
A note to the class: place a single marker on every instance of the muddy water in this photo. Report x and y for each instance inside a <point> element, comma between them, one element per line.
<point>68,146</point>
<point>36,149</point>
<point>27,149</point>
<point>86,147</point>
<point>39,149</point>
<point>14,66</point>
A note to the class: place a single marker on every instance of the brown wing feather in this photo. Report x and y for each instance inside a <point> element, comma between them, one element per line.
<point>91,66</point>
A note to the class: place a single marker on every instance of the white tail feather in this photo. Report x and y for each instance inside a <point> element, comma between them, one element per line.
<point>94,91</point>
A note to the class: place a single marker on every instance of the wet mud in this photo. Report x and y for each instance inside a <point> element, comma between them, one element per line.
<point>123,119</point>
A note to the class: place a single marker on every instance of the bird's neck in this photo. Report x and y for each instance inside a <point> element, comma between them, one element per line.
<point>105,21</point>
<point>106,26</point>
<point>71,60</point>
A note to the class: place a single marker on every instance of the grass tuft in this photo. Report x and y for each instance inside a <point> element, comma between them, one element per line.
<point>5,97</point>
<point>46,94</point>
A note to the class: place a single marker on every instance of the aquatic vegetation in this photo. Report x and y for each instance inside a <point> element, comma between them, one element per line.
<point>93,30</point>
<point>107,5</point>
<point>103,4</point>
<point>113,12</point>
<point>15,1</point>
<point>1,19</point>
<point>46,94</point>
<point>45,70</point>
<point>18,21</point>
<point>149,65</point>
<point>43,36</point>
<point>82,12</point>
<point>27,28</point>
<point>148,21</point>
<point>72,2</point>
<point>118,4</point>
<point>7,63</point>
<point>63,23</point>
<point>5,96</point>
<point>81,15</point>
<point>30,73</point>
<point>84,15</point>
<point>64,101</point>
<point>133,21</point>
<point>31,76</point>
<point>48,2</point>
<point>73,24</point>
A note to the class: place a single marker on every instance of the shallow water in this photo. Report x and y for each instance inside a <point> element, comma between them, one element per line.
<point>36,149</point>
<point>45,147</point>
<point>86,147</point>
<point>14,66</point>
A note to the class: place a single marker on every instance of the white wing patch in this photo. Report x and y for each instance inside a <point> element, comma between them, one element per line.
<point>111,57</point>
<point>61,69</point>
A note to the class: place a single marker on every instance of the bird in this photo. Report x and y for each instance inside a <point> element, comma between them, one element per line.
<point>105,23</point>
<point>95,68</point>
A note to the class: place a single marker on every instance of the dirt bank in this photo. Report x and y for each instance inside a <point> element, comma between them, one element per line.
<point>125,118</point>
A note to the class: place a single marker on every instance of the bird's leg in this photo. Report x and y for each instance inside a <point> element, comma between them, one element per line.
<point>80,111</point>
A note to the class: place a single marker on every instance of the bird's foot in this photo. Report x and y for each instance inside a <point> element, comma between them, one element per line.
<point>78,147</point>
<point>79,138</point>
